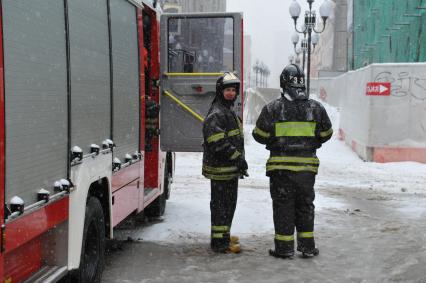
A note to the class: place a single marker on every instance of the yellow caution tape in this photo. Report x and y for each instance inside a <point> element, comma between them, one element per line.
<point>184,106</point>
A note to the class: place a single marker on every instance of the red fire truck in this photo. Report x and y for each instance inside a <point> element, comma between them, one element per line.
<point>83,141</point>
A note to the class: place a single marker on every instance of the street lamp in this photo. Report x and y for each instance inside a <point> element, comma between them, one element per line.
<point>262,74</point>
<point>256,69</point>
<point>295,40</point>
<point>303,46</point>
<point>310,26</point>
<point>315,40</point>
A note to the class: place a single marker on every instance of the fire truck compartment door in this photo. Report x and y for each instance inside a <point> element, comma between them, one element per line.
<point>195,50</point>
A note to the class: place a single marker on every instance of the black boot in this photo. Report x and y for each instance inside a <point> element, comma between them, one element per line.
<point>283,249</point>
<point>306,253</point>
<point>307,247</point>
<point>220,245</point>
<point>285,255</point>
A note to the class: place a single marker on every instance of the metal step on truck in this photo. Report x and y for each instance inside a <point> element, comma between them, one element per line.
<point>95,98</point>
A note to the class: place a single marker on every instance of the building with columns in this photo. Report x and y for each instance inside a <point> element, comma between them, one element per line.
<point>330,56</point>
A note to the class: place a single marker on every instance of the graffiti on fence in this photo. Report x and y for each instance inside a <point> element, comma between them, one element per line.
<point>404,84</point>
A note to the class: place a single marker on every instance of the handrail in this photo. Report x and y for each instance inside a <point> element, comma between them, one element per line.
<point>35,205</point>
<point>192,74</point>
<point>184,106</point>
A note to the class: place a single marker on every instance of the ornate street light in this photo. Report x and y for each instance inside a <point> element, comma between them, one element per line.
<point>315,39</point>
<point>295,39</point>
<point>310,26</point>
<point>256,69</point>
<point>303,48</point>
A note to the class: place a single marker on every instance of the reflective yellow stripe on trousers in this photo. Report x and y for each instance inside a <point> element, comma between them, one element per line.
<point>286,238</point>
<point>305,234</point>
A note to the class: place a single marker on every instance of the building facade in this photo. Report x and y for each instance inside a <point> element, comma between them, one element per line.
<point>330,55</point>
<point>388,31</point>
<point>189,6</point>
<point>362,32</point>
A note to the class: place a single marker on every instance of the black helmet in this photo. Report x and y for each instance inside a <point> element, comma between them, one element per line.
<point>292,81</point>
<point>228,79</point>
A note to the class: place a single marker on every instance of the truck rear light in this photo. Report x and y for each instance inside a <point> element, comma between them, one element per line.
<point>198,88</point>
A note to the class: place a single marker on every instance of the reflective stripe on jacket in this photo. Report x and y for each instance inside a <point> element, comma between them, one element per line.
<point>293,131</point>
<point>223,142</point>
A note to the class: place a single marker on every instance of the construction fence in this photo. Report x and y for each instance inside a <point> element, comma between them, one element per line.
<point>387,31</point>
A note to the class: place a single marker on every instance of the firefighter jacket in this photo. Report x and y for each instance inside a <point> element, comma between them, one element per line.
<point>223,142</point>
<point>292,131</point>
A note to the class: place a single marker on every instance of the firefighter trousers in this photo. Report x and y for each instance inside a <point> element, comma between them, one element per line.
<point>222,207</point>
<point>293,197</point>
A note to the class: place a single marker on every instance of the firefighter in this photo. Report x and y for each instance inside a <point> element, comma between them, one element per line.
<point>293,127</point>
<point>223,161</point>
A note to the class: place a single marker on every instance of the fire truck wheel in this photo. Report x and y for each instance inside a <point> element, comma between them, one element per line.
<point>157,207</point>
<point>168,175</point>
<point>167,184</point>
<point>93,245</point>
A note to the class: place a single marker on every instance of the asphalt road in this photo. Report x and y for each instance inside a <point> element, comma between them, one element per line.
<point>371,237</point>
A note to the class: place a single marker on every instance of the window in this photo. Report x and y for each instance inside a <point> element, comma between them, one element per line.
<point>199,45</point>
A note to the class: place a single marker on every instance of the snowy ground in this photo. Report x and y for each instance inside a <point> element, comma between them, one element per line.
<point>370,226</point>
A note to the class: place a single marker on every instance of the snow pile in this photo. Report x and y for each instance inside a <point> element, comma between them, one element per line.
<point>342,168</point>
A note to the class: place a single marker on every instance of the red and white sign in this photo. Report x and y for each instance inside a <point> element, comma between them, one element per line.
<point>378,88</point>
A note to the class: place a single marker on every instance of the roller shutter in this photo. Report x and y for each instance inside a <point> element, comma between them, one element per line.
<point>125,78</point>
<point>35,96</point>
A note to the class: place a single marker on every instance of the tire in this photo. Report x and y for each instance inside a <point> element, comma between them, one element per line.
<point>158,206</point>
<point>92,258</point>
<point>167,184</point>
<point>168,175</point>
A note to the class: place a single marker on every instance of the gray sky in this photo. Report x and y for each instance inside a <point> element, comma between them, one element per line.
<point>270,26</point>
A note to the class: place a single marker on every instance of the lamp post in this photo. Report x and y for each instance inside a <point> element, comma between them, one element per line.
<point>303,48</point>
<point>262,72</point>
<point>310,26</point>
<point>256,69</point>
<point>297,50</point>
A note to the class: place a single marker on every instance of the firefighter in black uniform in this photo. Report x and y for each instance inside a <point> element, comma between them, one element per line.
<point>293,127</point>
<point>223,161</point>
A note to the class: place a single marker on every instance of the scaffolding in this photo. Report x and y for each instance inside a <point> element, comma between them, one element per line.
<point>388,31</point>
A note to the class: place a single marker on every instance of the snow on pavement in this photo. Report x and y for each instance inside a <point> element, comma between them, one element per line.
<point>187,217</point>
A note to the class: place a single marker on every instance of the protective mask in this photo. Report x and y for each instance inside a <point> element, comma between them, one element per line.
<point>297,93</point>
